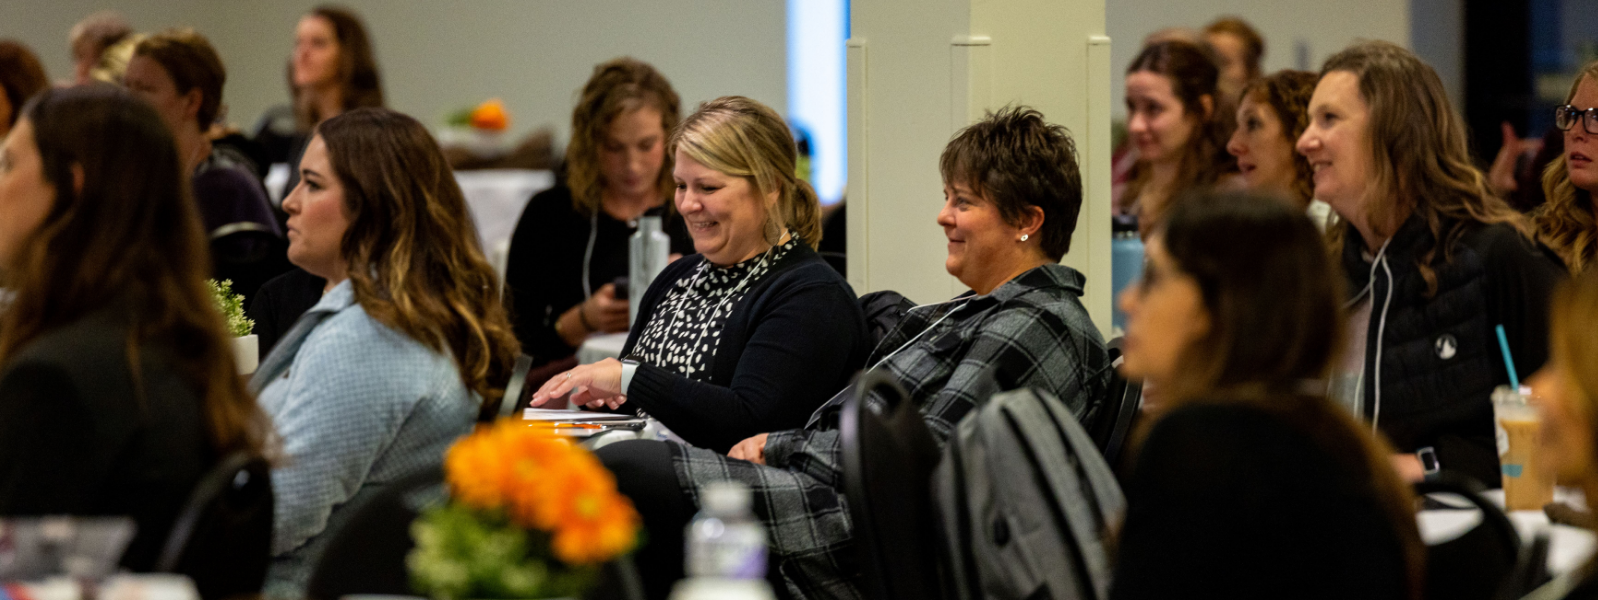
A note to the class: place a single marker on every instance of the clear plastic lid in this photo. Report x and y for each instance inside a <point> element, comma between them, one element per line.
<point>725,498</point>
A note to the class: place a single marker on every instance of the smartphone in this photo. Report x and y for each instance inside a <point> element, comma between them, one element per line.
<point>621,288</point>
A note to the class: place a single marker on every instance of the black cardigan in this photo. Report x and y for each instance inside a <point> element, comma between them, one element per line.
<point>544,271</point>
<point>792,342</point>
<point>77,437</point>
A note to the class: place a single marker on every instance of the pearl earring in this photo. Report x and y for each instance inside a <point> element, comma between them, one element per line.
<point>1025,236</point>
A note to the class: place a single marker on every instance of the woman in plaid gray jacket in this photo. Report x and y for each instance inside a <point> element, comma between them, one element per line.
<point>1012,194</point>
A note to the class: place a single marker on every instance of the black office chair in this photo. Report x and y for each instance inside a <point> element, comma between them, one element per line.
<point>888,458</point>
<point>248,254</point>
<point>514,390</point>
<point>1122,401</point>
<point>1478,563</point>
<point>222,539</point>
<point>367,555</point>
<point>883,311</point>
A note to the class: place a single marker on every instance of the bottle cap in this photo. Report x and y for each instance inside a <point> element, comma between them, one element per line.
<point>725,497</point>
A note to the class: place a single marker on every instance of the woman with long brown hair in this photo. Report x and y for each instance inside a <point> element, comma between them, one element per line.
<point>1569,222</point>
<point>333,68</point>
<point>1247,485</point>
<point>570,244</point>
<point>1433,261</point>
<point>1178,121</point>
<point>118,388</point>
<point>405,349</point>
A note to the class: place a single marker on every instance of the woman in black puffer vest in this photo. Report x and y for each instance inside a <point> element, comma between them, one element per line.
<point>1433,261</point>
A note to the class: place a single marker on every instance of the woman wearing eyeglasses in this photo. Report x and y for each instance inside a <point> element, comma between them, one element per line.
<point>1568,223</point>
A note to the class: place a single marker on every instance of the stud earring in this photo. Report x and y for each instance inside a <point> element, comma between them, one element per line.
<point>1024,236</point>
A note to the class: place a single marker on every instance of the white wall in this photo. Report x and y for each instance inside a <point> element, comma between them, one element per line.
<point>436,57</point>
<point>1318,27</point>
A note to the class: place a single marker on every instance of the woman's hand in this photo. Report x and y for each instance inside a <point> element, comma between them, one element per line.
<point>602,312</point>
<point>1501,176</point>
<point>594,385</point>
<point>752,449</point>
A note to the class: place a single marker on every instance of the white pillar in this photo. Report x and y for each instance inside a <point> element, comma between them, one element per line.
<point>920,70</point>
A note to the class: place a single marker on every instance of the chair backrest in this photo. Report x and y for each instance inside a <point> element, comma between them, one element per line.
<point>248,254</point>
<point>1478,563</point>
<point>1025,503</point>
<point>222,539</point>
<point>1122,401</point>
<point>888,459</point>
<point>883,310</point>
<point>514,389</point>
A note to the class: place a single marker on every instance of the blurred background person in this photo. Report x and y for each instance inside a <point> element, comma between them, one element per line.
<point>404,351</point>
<point>21,76</point>
<point>1271,114</point>
<point>118,387</point>
<point>1566,389</point>
<point>1178,123</point>
<point>1239,49</point>
<point>179,73</point>
<point>89,40</point>
<point>1568,222</point>
<point>755,331</point>
<point>1246,486</point>
<point>571,242</point>
<point>1433,261</point>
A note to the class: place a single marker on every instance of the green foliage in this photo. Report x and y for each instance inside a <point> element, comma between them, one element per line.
<point>232,307</point>
<point>462,553</point>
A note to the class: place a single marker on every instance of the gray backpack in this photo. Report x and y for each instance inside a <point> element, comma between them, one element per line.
<point>1025,503</point>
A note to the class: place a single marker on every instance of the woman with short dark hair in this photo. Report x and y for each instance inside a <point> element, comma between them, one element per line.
<point>407,347</point>
<point>118,388</point>
<point>1248,485</point>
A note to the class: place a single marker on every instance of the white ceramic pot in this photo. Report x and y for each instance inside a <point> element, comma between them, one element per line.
<point>247,353</point>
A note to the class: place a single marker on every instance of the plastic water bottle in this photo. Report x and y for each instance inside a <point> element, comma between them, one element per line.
<point>724,539</point>
<point>649,249</point>
<point>726,549</point>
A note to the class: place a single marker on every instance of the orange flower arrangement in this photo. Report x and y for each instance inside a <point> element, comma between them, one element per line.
<point>535,481</point>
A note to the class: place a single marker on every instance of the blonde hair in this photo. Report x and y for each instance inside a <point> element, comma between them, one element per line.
<point>744,138</point>
<point>1566,221</point>
<point>616,88</point>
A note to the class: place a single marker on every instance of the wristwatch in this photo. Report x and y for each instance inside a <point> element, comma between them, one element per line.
<point>1429,463</point>
<point>628,368</point>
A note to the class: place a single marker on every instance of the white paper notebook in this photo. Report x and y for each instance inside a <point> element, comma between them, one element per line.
<point>544,414</point>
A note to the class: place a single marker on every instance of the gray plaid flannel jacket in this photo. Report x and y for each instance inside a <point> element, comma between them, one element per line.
<point>1031,332</point>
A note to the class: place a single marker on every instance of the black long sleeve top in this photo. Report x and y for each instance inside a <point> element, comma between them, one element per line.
<point>544,272</point>
<point>793,340</point>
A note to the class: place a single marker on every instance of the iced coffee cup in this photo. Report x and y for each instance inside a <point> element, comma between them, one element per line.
<point>1528,482</point>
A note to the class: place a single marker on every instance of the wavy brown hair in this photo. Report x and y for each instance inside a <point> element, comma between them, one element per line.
<point>740,137</point>
<point>617,87</point>
<point>1420,154</point>
<point>1253,44</point>
<point>360,83</point>
<point>1566,221</point>
<point>192,63</point>
<point>1288,92</point>
<point>130,235</point>
<point>1272,298</point>
<point>412,251</point>
<point>1191,69</point>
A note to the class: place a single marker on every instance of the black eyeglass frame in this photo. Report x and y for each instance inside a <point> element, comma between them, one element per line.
<point>1565,117</point>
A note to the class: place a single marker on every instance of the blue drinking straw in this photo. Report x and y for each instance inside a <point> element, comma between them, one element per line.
<point>1509,362</point>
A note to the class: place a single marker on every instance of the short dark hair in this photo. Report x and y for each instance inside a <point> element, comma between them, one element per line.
<point>192,63</point>
<point>1253,44</point>
<point>1016,159</point>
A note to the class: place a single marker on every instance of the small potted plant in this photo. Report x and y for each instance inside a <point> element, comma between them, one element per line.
<point>246,346</point>
<point>530,515</point>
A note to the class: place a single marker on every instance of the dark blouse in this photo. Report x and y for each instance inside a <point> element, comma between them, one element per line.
<point>544,272</point>
<point>789,339</point>
<point>1231,500</point>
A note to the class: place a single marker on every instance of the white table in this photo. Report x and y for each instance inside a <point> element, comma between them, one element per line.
<point>600,347</point>
<point>1568,547</point>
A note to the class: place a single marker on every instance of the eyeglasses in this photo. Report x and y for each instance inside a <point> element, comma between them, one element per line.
<point>1566,116</point>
